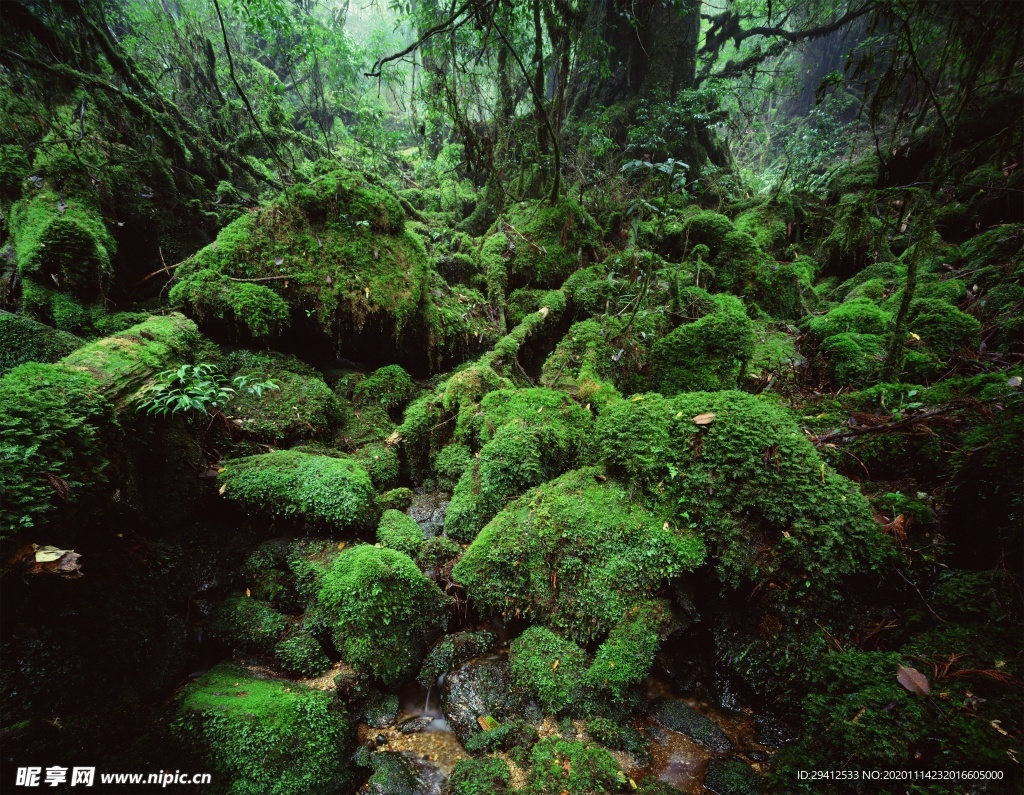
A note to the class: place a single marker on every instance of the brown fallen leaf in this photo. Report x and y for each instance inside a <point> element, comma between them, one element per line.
<point>913,680</point>
<point>704,419</point>
<point>487,723</point>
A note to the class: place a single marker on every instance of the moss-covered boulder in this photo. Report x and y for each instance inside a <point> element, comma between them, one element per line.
<point>451,651</point>
<point>266,736</point>
<point>24,340</point>
<point>297,404</point>
<point>381,610</point>
<point>389,386</point>
<point>575,554</point>
<point>708,354</point>
<point>299,653</point>
<point>739,469</point>
<point>487,776</point>
<point>398,531</point>
<point>528,436</point>
<point>323,490</point>
<point>62,240</point>
<point>559,766</point>
<point>249,624</point>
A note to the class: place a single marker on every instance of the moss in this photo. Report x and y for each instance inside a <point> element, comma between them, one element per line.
<point>853,359</point>
<point>437,552</point>
<point>620,738</point>
<point>678,716</point>
<point>331,491</point>
<point>487,776</point>
<point>576,554</point>
<point>708,354</point>
<point>748,476</point>
<point>209,294</point>
<point>248,624</point>
<point>396,499</point>
<point>52,422</point>
<point>343,245</point>
<point>301,407</point>
<point>300,654</point>
<point>551,669</point>
<point>625,658</point>
<point>767,224</point>
<point>398,531</point>
<point>380,709</point>
<point>367,424</point>
<point>265,736</point>
<point>859,315</point>
<point>705,228</point>
<point>381,611</point>
<point>943,327</point>
<point>450,462</point>
<point>381,463</point>
<point>24,340</point>
<point>732,777</point>
<point>517,736</point>
<point>855,176</point>
<point>107,324</point>
<point>528,436</point>
<point>390,387</point>
<point>563,766</point>
<point>550,241</point>
<point>63,240</point>
<point>494,256</point>
<point>582,362</point>
<point>451,651</point>
<point>69,314</point>
<point>14,168</point>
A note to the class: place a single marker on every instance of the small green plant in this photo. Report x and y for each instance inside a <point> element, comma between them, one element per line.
<point>198,388</point>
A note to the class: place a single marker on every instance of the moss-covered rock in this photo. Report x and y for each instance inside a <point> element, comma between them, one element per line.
<point>551,669</point>
<point>334,492</point>
<point>731,777</point>
<point>298,406</point>
<point>708,354</point>
<point>247,623</point>
<point>390,387</point>
<point>62,240</point>
<point>381,610</point>
<point>300,654</point>
<point>266,736</point>
<point>396,499</point>
<point>943,327</point>
<point>853,359</point>
<point>451,651</point>
<point>24,340</point>
<point>564,766</point>
<point>381,463</point>
<point>860,315</point>
<point>210,294</point>
<point>487,776</point>
<point>680,717</point>
<point>528,436</point>
<point>398,531</point>
<point>575,554</point>
<point>549,241</point>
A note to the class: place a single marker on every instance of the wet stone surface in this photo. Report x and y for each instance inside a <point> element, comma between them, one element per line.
<point>428,510</point>
<point>680,717</point>
<point>481,689</point>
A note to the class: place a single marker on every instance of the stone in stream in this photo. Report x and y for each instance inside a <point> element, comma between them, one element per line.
<point>481,690</point>
<point>414,724</point>
<point>679,717</point>
<point>402,773</point>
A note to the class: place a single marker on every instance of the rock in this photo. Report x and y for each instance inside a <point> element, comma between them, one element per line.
<point>481,690</point>
<point>414,724</point>
<point>772,732</point>
<point>428,511</point>
<point>731,777</point>
<point>402,773</point>
<point>675,715</point>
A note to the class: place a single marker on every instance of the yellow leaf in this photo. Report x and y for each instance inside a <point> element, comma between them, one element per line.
<point>248,592</point>
<point>222,489</point>
<point>995,724</point>
<point>665,526</point>
<point>341,545</point>
<point>554,665</point>
<point>706,418</point>
<point>635,398</point>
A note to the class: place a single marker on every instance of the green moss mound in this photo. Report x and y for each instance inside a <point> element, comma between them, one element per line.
<point>745,473</point>
<point>390,387</point>
<point>382,611</point>
<point>550,668</point>
<point>565,766</point>
<point>487,776</point>
<point>301,407</point>
<point>210,294</point>
<point>341,242</point>
<point>528,436</point>
<point>300,654</point>
<point>248,624</point>
<point>708,354</point>
<point>575,554</point>
<point>266,736</point>
<point>550,241</point>
<point>62,240</point>
<point>853,359</point>
<point>335,492</point>
<point>24,340</point>
<point>860,315</point>
<point>398,531</point>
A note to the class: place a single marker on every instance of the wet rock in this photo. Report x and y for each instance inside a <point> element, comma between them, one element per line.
<point>481,690</point>
<point>415,724</point>
<point>380,710</point>
<point>772,732</point>
<point>428,511</point>
<point>731,777</point>
<point>402,773</point>
<point>675,715</point>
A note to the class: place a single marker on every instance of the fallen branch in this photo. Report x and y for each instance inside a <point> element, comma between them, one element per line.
<point>893,427</point>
